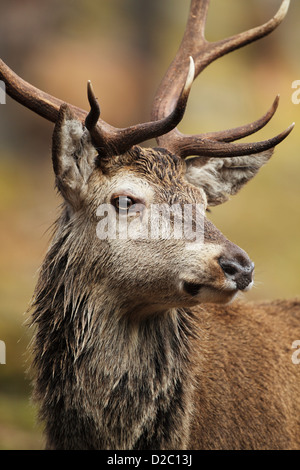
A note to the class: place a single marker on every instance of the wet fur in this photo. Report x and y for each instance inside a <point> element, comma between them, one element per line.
<point>213,377</point>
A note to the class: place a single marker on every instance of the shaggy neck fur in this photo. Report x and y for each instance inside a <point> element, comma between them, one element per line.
<point>104,380</point>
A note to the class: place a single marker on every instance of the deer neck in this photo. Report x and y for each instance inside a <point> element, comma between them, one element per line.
<point>106,379</point>
<point>145,364</point>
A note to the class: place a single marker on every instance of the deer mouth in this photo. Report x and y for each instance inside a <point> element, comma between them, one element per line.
<point>192,288</point>
<point>208,293</point>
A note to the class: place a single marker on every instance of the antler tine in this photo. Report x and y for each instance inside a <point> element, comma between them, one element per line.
<point>94,114</point>
<point>117,141</point>
<point>106,138</point>
<point>243,131</point>
<point>35,99</point>
<point>31,97</point>
<point>204,52</point>
<point>239,40</point>
<point>214,148</point>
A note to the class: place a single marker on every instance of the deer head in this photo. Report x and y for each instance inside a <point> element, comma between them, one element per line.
<point>96,164</point>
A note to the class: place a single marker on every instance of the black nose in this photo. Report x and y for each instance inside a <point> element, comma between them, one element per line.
<point>239,269</point>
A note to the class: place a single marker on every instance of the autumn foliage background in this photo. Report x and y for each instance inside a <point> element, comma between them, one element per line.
<point>124,47</point>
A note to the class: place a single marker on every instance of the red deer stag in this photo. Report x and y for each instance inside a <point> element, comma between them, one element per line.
<point>138,342</point>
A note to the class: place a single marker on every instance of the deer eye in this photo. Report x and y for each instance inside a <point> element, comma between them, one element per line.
<point>122,203</point>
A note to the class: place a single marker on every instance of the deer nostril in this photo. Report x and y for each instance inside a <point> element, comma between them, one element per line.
<point>241,273</point>
<point>229,268</point>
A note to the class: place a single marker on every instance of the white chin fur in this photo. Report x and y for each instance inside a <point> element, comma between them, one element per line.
<point>249,286</point>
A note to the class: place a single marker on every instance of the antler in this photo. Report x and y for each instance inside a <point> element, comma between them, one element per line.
<point>217,144</point>
<point>120,140</point>
<point>170,101</point>
<point>107,139</point>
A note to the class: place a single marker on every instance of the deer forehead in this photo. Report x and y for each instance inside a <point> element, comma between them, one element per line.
<point>149,174</point>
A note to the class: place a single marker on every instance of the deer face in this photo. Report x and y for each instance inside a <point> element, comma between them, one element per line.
<point>145,267</point>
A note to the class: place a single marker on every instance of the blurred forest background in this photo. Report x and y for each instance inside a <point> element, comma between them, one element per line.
<point>124,47</point>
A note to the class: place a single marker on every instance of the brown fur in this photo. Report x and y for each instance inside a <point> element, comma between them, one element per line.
<point>247,395</point>
<point>125,357</point>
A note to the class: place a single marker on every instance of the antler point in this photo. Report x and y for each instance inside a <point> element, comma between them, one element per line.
<point>282,10</point>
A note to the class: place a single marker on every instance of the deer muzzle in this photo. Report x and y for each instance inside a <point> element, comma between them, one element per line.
<point>238,268</point>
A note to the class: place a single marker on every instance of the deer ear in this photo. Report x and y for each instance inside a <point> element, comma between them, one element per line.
<point>73,156</point>
<point>224,177</point>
